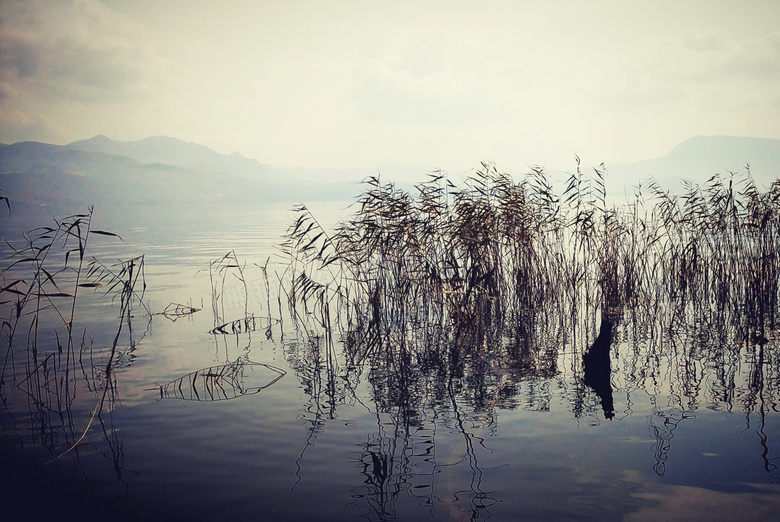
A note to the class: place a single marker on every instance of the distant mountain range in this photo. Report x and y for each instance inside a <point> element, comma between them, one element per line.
<point>163,150</point>
<point>163,172</point>
<point>160,174</point>
<point>699,158</point>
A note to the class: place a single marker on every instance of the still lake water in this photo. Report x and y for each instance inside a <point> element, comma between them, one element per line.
<point>191,434</point>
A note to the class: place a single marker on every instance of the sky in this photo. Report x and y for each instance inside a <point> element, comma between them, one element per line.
<point>356,84</point>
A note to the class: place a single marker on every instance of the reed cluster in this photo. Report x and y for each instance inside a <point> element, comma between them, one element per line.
<point>717,256</point>
<point>457,274</point>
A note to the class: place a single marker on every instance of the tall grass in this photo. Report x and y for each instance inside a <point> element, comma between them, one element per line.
<point>492,271</point>
<point>46,355</point>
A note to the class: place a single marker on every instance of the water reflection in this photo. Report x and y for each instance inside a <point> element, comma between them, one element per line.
<point>403,461</point>
<point>468,405</point>
<point>58,365</point>
<point>598,368</point>
<point>421,378</point>
<point>223,382</point>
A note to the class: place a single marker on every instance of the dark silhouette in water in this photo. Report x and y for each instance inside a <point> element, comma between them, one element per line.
<point>598,370</point>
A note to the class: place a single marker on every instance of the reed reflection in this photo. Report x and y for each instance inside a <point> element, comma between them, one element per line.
<point>237,377</point>
<point>457,298</point>
<point>64,376</point>
<point>435,312</point>
<point>598,369</point>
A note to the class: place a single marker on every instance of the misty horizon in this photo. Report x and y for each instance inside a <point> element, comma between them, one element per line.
<point>359,85</point>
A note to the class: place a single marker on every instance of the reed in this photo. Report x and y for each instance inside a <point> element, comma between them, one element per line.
<point>43,279</point>
<point>223,382</point>
<point>493,269</point>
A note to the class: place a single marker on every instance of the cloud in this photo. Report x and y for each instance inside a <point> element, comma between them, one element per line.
<point>28,126</point>
<point>8,91</point>
<point>60,59</point>
<point>429,82</point>
<point>79,50</point>
<point>758,59</point>
<point>697,67</point>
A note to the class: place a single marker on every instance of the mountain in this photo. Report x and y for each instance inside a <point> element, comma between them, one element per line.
<point>165,177</point>
<point>728,149</point>
<point>157,179</point>
<point>172,151</point>
<point>51,178</point>
<point>45,179</point>
<point>284,184</point>
<point>699,158</point>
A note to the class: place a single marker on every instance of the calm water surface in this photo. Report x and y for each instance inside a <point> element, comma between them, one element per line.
<point>692,438</point>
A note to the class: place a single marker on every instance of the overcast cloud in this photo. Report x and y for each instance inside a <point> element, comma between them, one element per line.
<point>359,84</point>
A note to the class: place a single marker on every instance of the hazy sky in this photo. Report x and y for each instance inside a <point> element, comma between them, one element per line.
<point>362,83</point>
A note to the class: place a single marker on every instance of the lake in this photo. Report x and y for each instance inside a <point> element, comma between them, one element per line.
<point>237,411</point>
